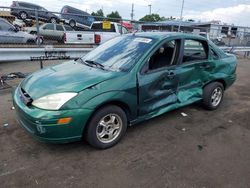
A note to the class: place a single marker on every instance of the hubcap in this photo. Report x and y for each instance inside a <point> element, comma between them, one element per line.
<point>216,96</point>
<point>23,15</point>
<point>72,24</point>
<point>109,128</point>
<point>53,20</point>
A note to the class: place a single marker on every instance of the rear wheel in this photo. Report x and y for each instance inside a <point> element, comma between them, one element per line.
<point>53,20</point>
<point>23,15</point>
<point>72,23</point>
<point>39,40</point>
<point>213,95</point>
<point>107,126</point>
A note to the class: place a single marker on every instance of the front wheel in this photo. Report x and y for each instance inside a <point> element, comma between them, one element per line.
<point>107,126</point>
<point>213,95</point>
<point>23,15</point>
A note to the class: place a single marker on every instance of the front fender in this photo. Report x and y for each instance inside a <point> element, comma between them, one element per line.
<point>127,98</point>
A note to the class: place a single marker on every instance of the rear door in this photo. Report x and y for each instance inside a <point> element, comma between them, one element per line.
<point>158,79</point>
<point>59,32</point>
<point>193,70</point>
<point>48,31</point>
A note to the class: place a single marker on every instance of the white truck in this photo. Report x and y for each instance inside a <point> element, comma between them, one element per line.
<point>96,35</point>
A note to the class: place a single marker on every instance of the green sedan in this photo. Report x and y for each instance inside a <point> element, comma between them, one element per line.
<point>124,81</point>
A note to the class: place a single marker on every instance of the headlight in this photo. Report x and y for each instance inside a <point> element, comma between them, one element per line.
<point>53,101</point>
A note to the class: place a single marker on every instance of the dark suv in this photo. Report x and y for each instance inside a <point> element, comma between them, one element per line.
<point>25,10</point>
<point>76,18</point>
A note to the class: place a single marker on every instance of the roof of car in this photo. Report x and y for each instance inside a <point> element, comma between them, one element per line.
<point>162,35</point>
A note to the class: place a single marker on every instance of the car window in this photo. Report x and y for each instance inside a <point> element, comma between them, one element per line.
<point>213,54</point>
<point>26,5</point>
<point>43,9</point>
<point>59,28</point>
<point>4,26</point>
<point>49,27</point>
<point>68,28</point>
<point>124,30</point>
<point>98,27</point>
<point>120,53</point>
<point>119,28</point>
<point>164,56</point>
<point>194,50</point>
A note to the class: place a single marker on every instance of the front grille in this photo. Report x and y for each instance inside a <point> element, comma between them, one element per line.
<point>24,96</point>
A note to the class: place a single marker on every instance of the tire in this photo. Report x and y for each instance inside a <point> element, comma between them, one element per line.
<point>33,32</point>
<point>53,20</point>
<point>213,95</point>
<point>23,15</point>
<point>106,127</point>
<point>41,40</point>
<point>72,23</point>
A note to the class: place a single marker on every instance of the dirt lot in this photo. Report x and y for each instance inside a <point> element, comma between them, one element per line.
<point>204,149</point>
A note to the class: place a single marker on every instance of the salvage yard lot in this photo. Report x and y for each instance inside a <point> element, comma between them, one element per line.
<point>203,149</point>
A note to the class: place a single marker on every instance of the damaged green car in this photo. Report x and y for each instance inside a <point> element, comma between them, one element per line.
<point>124,81</point>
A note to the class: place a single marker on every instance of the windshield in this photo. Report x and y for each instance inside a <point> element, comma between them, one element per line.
<point>120,53</point>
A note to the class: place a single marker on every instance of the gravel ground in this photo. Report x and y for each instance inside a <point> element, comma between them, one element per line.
<point>204,149</point>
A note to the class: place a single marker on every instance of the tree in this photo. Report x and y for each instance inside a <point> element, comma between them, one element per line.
<point>98,13</point>
<point>114,15</point>
<point>155,18</point>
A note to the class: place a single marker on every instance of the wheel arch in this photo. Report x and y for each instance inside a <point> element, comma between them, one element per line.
<point>222,81</point>
<point>125,107</point>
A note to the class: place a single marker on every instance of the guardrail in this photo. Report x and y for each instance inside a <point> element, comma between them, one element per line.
<point>236,49</point>
<point>49,52</point>
<point>29,54</point>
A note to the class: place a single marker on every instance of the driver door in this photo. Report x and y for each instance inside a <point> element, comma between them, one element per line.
<point>158,79</point>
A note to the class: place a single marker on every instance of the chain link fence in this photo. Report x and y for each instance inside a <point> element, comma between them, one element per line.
<point>25,24</point>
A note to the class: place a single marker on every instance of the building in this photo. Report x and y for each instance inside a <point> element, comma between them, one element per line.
<point>213,28</point>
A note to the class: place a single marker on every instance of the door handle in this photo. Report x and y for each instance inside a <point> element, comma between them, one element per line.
<point>205,66</point>
<point>171,74</point>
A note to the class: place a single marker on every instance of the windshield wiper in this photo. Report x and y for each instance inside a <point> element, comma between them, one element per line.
<point>94,63</point>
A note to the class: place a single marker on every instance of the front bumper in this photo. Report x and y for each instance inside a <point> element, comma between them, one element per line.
<point>42,124</point>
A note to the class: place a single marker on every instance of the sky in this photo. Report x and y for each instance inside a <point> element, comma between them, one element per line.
<point>235,12</point>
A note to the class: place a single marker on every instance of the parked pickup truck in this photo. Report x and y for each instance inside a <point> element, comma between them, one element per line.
<point>96,34</point>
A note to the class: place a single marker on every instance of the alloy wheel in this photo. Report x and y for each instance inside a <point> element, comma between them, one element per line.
<point>216,96</point>
<point>109,128</point>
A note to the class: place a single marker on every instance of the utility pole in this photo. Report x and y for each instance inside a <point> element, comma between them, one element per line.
<point>132,12</point>
<point>149,9</point>
<point>182,7</point>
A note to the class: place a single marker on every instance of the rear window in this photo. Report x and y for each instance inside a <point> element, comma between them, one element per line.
<point>49,27</point>
<point>59,28</point>
<point>98,27</point>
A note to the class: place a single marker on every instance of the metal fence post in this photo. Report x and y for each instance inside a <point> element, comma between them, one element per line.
<point>37,28</point>
<point>38,36</point>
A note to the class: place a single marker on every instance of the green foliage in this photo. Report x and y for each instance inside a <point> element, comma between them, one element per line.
<point>98,13</point>
<point>114,14</point>
<point>155,18</point>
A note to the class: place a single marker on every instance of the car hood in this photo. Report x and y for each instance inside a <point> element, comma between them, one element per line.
<point>27,35</point>
<point>67,77</point>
